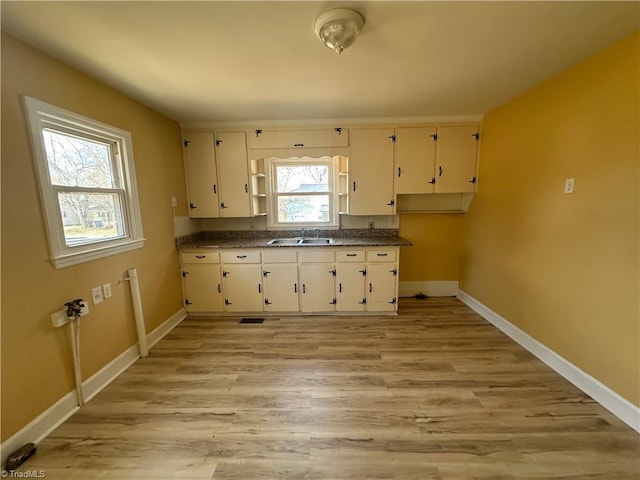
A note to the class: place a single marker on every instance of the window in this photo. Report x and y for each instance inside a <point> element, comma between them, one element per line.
<point>302,192</point>
<point>87,184</point>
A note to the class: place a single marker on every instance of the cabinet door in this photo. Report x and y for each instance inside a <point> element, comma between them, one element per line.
<point>233,171</point>
<point>382,287</point>
<point>202,178</point>
<point>350,281</point>
<point>242,285</point>
<point>326,137</point>
<point>415,159</point>
<point>280,283</point>
<point>371,172</point>
<point>202,288</point>
<point>317,288</point>
<point>456,156</point>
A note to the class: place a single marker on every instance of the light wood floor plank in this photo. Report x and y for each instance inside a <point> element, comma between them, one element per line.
<point>434,393</point>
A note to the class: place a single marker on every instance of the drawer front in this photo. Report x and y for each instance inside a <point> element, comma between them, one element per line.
<point>280,255</point>
<point>381,255</point>
<point>200,257</point>
<point>316,255</point>
<point>350,256</point>
<point>240,256</point>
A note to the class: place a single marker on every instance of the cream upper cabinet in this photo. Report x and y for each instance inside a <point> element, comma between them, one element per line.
<point>202,175</point>
<point>415,159</point>
<point>371,167</point>
<point>233,174</point>
<point>318,138</point>
<point>456,159</point>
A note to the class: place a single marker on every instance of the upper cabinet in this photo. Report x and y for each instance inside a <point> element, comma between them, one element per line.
<point>456,159</point>
<point>371,171</point>
<point>320,138</point>
<point>415,159</point>
<point>217,174</point>
<point>202,175</point>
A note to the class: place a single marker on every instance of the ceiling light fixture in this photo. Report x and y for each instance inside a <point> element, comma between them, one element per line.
<point>339,28</point>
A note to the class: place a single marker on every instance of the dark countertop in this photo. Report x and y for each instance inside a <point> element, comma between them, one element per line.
<point>260,239</point>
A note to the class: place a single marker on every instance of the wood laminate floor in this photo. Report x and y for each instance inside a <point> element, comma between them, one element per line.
<point>434,393</point>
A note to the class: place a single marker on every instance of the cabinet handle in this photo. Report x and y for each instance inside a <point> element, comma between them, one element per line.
<point>352,254</point>
<point>201,256</point>
<point>259,288</point>
<point>440,170</point>
<point>219,288</point>
<point>241,256</point>
<point>339,288</point>
<point>246,188</point>
<point>304,288</point>
<point>399,172</point>
<point>370,287</point>
<point>354,186</point>
<point>295,288</point>
<point>297,145</point>
<point>215,189</point>
<point>382,254</point>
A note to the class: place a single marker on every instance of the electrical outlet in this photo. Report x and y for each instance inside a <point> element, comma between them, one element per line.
<point>174,202</point>
<point>84,308</point>
<point>569,183</point>
<point>96,295</point>
<point>106,288</point>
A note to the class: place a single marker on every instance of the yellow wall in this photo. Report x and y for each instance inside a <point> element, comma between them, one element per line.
<point>36,360</point>
<point>437,242</point>
<point>565,268</point>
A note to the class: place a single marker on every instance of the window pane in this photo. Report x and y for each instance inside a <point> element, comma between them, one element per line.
<point>302,178</point>
<point>303,209</point>
<point>90,217</point>
<point>78,162</point>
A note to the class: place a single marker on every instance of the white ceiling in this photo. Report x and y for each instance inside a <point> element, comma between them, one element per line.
<point>242,61</point>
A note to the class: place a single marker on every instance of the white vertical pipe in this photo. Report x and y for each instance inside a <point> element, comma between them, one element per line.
<point>74,330</point>
<point>137,312</point>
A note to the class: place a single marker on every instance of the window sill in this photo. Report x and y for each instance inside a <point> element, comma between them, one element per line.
<point>76,258</point>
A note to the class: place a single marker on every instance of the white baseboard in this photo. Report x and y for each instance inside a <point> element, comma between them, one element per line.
<point>41,426</point>
<point>616,404</point>
<point>429,288</point>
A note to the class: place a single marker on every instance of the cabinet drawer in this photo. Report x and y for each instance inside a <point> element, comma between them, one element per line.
<point>279,255</point>
<point>240,256</point>
<point>317,255</point>
<point>327,137</point>
<point>350,256</point>
<point>381,255</point>
<point>200,257</point>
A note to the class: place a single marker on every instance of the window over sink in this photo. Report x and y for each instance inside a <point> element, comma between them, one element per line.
<point>303,192</point>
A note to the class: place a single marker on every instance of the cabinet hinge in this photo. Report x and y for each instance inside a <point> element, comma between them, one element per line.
<point>265,273</point>
<point>333,272</point>
<point>394,272</point>
<point>363,272</point>
<point>363,302</point>
<point>227,302</point>
<point>187,302</point>
<point>434,136</point>
<point>184,274</point>
<point>218,142</point>
<point>267,302</point>
<point>432,181</point>
<point>393,301</point>
<point>338,130</point>
<point>393,138</point>
<point>391,203</point>
<point>186,143</point>
<point>476,135</point>
<point>333,302</point>
<point>473,180</point>
<point>224,274</point>
<point>258,132</point>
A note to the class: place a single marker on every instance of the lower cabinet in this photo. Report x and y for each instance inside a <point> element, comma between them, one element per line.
<point>291,280</point>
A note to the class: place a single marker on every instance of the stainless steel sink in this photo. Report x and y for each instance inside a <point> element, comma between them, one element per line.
<point>284,241</point>
<point>300,241</point>
<point>316,241</point>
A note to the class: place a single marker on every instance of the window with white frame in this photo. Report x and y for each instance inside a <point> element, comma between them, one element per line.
<point>87,184</point>
<point>303,192</point>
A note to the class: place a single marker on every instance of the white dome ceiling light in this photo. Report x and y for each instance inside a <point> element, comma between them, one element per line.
<point>339,28</point>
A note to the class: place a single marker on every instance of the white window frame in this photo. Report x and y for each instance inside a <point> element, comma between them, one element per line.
<point>272,194</point>
<point>41,116</point>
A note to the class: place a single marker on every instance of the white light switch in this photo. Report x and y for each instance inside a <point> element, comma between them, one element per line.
<point>569,184</point>
<point>106,288</point>
<point>96,295</point>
